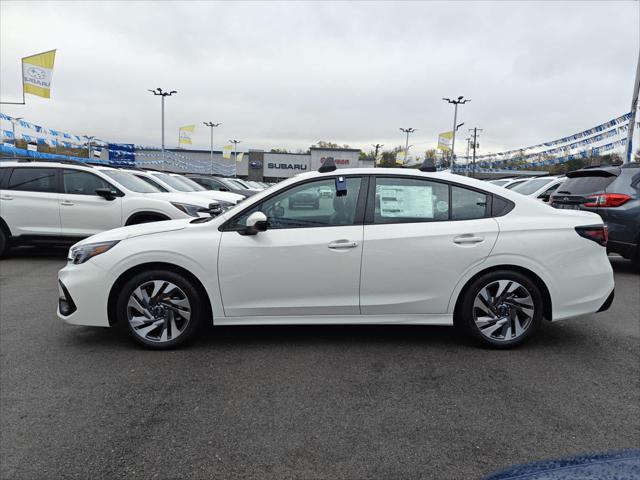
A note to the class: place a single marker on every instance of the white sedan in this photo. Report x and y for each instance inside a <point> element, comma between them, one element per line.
<point>391,246</point>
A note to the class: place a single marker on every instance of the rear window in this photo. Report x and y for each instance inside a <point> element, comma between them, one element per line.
<point>527,188</point>
<point>33,180</point>
<point>590,184</point>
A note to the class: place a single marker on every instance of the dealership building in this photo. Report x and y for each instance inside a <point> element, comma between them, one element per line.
<point>255,165</point>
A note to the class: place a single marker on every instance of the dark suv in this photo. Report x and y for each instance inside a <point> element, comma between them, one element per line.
<point>614,194</point>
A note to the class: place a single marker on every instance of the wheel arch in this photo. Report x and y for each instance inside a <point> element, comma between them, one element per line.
<point>534,277</point>
<point>127,274</point>
<point>146,214</point>
<point>5,228</point>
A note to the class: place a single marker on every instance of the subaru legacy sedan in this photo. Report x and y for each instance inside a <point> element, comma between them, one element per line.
<point>389,246</point>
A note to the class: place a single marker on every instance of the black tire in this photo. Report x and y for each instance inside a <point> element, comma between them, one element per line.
<point>185,289</point>
<point>4,243</point>
<point>465,317</point>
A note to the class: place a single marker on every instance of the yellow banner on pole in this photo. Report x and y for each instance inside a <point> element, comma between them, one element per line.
<point>185,134</point>
<point>37,71</point>
<point>239,157</point>
<point>226,151</point>
<point>444,141</point>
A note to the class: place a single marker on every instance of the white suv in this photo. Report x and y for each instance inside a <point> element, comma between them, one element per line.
<point>60,202</point>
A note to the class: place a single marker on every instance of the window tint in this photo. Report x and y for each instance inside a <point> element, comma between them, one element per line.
<point>33,180</point>
<point>402,200</point>
<point>468,204</point>
<point>590,184</point>
<point>313,204</point>
<point>82,183</point>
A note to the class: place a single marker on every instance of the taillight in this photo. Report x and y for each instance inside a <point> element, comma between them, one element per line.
<point>607,200</point>
<point>597,233</point>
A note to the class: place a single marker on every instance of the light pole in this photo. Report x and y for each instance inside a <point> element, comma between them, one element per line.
<point>377,146</point>
<point>13,131</point>
<point>455,103</point>
<point>212,126</point>
<point>475,146</point>
<point>162,94</point>
<point>89,139</point>
<point>406,148</point>
<point>235,157</point>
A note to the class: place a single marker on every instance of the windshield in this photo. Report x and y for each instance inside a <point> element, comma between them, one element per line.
<point>173,182</point>
<point>131,182</point>
<point>190,183</point>
<point>241,183</point>
<point>514,184</point>
<point>237,185</point>
<point>499,182</point>
<point>527,188</point>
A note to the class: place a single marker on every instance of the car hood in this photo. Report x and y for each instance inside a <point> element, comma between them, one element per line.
<point>137,230</point>
<point>221,196</point>
<point>181,198</point>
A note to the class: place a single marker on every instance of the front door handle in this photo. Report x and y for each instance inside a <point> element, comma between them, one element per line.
<point>342,244</point>
<point>66,202</point>
<point>470,238</point>
<point>6,197</point>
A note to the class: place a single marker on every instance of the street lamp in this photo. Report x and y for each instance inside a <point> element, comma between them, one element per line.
<point>13,131</point>
<point>89,139</point>
<point>458,101</point>
<point>235,156</point>
<point>212,126</point>
<point>162,94</point>
<point>406,149</point>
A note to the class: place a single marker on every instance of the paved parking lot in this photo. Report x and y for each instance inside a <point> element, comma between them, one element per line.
<point>304,402</point>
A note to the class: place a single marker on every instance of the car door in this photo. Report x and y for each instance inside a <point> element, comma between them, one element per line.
<point>82,211</point>
<point>29,202</point>
<point>307,262</point>
<point>420,236</point>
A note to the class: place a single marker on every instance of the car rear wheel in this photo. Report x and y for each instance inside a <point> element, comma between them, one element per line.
<point>501,309</point>
<point>160,309</point>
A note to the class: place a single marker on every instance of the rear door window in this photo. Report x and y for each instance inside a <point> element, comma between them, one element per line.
<point>468,204</point>
<point>409,200</point>
<point>34,180</point>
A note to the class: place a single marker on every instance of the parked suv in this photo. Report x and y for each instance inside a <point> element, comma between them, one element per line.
<point>61,202</point>
<point>612,192</point>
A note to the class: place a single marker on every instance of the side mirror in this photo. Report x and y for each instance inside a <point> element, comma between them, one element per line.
<point>106,193</point>
<point>256,222</point>
<point>545,198</point>
<point>223,189</point>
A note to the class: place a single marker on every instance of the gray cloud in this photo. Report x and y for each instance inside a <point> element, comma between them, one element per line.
<point>289,74</point>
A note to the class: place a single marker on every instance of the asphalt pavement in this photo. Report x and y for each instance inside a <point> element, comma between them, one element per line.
<point>316,402</point>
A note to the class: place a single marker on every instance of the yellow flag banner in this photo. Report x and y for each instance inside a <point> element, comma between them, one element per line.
<point>185,134</point>
<point>226,151</point>
<point>401,158</point>
<point>37,71</point>
<point>444,141</point>
<point>239,157</point>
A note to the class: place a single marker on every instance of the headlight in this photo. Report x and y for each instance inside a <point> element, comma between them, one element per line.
<point>191,210</point>
<point>82,253</point>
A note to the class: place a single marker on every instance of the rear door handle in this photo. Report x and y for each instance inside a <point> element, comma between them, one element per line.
<point>66,202</point>
<point>342,244</point>
<point>6,197</point>
<point>463,239</point>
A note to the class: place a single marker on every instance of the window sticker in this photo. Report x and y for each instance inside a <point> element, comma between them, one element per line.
<point>405,201</point>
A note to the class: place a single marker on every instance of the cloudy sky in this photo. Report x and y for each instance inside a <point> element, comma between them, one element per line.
<point>285,75</point>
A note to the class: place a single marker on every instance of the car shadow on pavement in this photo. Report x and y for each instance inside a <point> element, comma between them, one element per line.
<point>35,252</point>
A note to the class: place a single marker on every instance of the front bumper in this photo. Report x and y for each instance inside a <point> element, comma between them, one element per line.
<point>84,294</point>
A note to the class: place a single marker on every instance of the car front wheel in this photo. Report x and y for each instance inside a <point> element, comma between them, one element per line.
<point>160,309</point>
<point>501,309</point>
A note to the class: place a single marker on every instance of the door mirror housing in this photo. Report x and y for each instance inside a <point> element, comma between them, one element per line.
<point>256,222</point>
<point>106,193</point>
<point>223,189</point>
<point>545,197</point>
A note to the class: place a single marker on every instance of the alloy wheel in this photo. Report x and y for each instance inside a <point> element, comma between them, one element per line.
<point>158,311</point>
<point>503,310</point>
